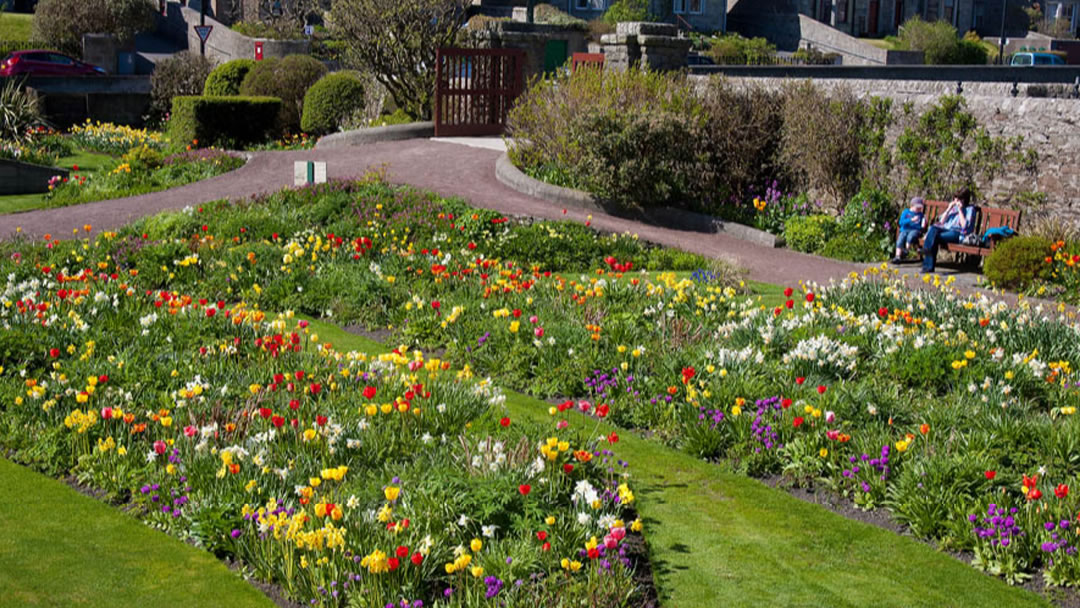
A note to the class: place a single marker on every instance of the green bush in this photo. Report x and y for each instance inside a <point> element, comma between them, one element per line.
<point>184,73</point>
<point>331,101</point>
<point>627,10</point>
<point>62,23</point>
<point>226,78</point>
<point>224,121</point>
<point>810,233</point>
<point>1018,262</point>
<point>19,112</point>
<point>733,49</point>
<point>853,248</point>
<point>940,43</point>
<point>287,79</point>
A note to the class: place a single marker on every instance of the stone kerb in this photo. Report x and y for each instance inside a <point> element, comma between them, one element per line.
<point>680,219</point>
<point>359,137</point>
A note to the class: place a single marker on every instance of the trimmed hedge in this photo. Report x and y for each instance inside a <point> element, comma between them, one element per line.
<point>288,79</point>
<point>331,101</point>
<point>227,77</point>
<point>1018,262</point>
<point>224,121</point>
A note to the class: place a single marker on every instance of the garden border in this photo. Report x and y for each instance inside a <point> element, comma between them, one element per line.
<point>359,137</point>
<point>679,219</point>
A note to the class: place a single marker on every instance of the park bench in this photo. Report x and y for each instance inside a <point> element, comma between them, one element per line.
<point>985,219</point>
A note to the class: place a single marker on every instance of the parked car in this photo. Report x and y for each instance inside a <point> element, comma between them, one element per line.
<point>46,63</point>
<point>1036,59</point>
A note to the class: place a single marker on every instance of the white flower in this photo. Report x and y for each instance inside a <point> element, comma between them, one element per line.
<point>353,502</point>
<point>584,518</point>
<point>463,520</point>
<point>488,531</point>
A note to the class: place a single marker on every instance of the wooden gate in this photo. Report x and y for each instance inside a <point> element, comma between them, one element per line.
<point>475,88</point>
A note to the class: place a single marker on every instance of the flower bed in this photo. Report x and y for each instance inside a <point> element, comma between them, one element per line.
<point>919,401</point>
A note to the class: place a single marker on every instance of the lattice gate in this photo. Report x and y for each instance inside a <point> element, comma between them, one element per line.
<point>475,88</point>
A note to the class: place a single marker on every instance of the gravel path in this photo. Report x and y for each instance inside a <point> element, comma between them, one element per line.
<point>448,168</point>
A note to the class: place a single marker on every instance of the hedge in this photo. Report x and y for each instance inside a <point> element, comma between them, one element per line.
<point>224,121</point>
<point>329,102</point>
<point>227,77</point>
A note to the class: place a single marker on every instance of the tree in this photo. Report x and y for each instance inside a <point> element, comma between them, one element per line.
<point>62,23</point>
<point>396,40</point>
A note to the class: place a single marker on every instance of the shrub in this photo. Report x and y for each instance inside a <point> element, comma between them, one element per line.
<point>287,79</point>
<point>224,121</point>
<point>546,13</point>
<point>274,31</point>
<point>809,234</point>
<point>627,10</point>
<point>940,44</point>
<point>733,49</point>
<point>853,248</point>
<point>331,101</point>
<point>226,78</point>
<point>19,112</point>
<point>184,73</point>
<point>62,23</point>
<point>1018,262</point>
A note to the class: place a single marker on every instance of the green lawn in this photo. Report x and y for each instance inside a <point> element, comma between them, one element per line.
<point>15,27</point>
<point>61,548</point>
<point>88,162</point>
<point>721,539</point>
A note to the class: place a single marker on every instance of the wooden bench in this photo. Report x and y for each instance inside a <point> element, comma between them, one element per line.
<point>985,219</point>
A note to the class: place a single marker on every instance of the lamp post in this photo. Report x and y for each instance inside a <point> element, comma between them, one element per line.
<point>1001,42</point>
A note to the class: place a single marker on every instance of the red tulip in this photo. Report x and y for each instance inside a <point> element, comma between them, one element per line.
<point>603,410</point>
<point>786,403</point>
<point>265,412</point>
<point>821,389</point>
<point>883,312</point>
<point>541,535</point>
<point>789,304</point>
<point>524,489</point>
<point>393,562</point>
<point>160,447</point>
<point>800,380</point>
<point>320,420</point>
<point>279,421</point>
<point>568,468</point>
<point>369,392</point>
<point>788,291</point>
<point>211,312</point>
<point>810,297</point>
<point>613,437</point>
<point>547,546</point>
<point>1061,491</point>
<point>797,422</point>
<point>991,475</point>
<point>504,422</point>
<point>402,551</point>
<point>54,352</point>
<point>294,404</point>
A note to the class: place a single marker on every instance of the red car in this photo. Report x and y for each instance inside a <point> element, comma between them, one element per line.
<point>46,63</point>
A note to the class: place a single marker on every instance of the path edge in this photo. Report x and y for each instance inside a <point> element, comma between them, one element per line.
<point>509,175</point>
<point>359,137</point>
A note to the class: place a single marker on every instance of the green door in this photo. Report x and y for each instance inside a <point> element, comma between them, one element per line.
<point>554,55</point>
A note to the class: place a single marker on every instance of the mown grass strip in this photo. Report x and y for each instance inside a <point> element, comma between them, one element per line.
<point>721,539</point>
<point>61,548</point>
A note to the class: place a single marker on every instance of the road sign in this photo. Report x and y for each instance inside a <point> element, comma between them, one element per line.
<point>309,30</point>
<point>203,31</point>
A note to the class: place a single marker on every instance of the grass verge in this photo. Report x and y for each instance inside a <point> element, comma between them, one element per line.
<point>87,162</point>
<point>60,548</point>
<point>721,539</point>
<point>16,27</point>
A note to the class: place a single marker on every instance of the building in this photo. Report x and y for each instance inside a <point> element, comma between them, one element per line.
<point>875,18</point>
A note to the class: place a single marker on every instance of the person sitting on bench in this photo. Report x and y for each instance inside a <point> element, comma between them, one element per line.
<point>956,222</point>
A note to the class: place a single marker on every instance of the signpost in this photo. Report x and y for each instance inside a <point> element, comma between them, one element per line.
<point>204,32</point>
<point>202,23</point>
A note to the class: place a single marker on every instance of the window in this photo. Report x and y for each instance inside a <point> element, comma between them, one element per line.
<point>932,10</point>
<point>697,7</point>
<point>949,11</point>
<point>679,6</point>
<point>61,59</point>
<point>979,16</point>
<point>841,11</point>
<point>581,4</point>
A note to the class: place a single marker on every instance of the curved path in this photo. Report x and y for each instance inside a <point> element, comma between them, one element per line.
<point>447,168</point>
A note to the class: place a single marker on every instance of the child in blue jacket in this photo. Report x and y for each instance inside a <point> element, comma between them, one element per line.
<point>911,228</point>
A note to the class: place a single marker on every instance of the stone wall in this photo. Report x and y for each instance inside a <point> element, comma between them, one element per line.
<point>531,38</point>
<point>24,178</point>
<point>223,44</point>
<point>655,46</point>
<point>1049,126</point>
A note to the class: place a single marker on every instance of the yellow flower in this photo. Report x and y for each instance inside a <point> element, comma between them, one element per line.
<point>736,410</point>
<point>477,571</point>
<point>392,493</point>
<point>514,326</point>
<point>636,525</point>
<point>550,520</point>
<point>823,452</point>
<point>476,545</point>
<point>969,354</point>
